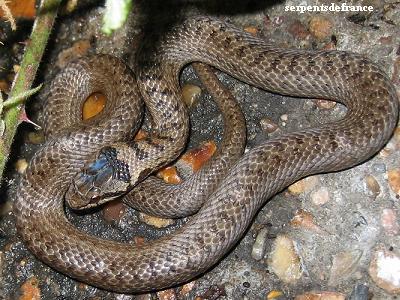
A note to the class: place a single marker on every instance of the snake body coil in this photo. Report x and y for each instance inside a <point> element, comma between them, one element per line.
<point>262,172</point>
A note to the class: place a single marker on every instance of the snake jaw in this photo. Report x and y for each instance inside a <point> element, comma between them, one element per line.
<point>100,181</point>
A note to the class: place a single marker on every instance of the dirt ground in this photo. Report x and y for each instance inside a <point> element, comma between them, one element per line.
<point>333,236</point>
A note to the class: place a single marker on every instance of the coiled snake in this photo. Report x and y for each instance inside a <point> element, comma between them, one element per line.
<point>262,172</point>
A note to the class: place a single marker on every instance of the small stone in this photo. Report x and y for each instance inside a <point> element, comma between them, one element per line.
<point>21,165</point>
<point>388,149</point>
<point>36,137</point>
<point>139,241</point>
<point>284,260</point>
<point>344,265</point>
<point>78,49</point>
<point>360,292</point>
<point>384,270</point>
<point>321,296</point>
<point>304,219</point>
<point>372,185</point>
<point>190,93</point>
<point>379,168</point>
<point>169,175</point>
<point>320,196</point>
<point>4,85</point>
<point>5,207</point>
<point>284,117</point>
<point>298,30</point>
<point>213,292</point>
<point>394,180</point>
<point>29,290</point>
<point>93,105</point>
<point>113,211</point>
<point>258,249</point>
<point>386,40</point>
<point>325,104</point>
<point>143,297</point>
<point>329,46</point>
<point>167,295</point>
<point>320,27</point>
<point>155,221</point>
<point>396,137</point>
<point>268,125</point>
<point>274,294</point>
<point>186,289</point>
<point>197,157</point>
<point>251,29</point>
<point>389,222</point>
<point>303,185</point>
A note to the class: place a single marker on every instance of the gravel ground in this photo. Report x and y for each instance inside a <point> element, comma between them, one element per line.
<point>331,236</point>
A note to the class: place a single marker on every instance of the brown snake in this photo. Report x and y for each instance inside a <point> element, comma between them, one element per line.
<point>262,172</point>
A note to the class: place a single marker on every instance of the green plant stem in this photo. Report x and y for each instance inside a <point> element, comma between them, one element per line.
<point>19,99</point>
<point>33,54</point>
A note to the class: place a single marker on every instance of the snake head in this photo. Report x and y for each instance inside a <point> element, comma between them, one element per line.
<point>100,181</point>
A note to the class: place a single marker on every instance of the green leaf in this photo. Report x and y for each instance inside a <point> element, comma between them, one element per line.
<point>115,15</point>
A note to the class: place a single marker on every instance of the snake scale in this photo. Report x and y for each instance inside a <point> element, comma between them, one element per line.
<point>359,84</point>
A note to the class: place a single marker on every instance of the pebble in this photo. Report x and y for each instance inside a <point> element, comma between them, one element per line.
<point>379,168</point>
<point>213,292</point>
<point>304,219</point>
<point>113,211</point>
<point>190,93</point>
<point>155,221</point>
<point>258,250</point>
<point>384,270</point>
<point>321,296</point>
<point>303,185</point>
<point>320,196</point>
<point>298,30</point>
<point>78,49</point>
<point>143,297</point>
<point>284,260</point>
<point>170,175</point>
<point>344,264</point>
<point>139,241</point>
<point>320,27</point>
<point>5,207</point>
<point>325,104</point>
<point>29,290</point>
<point>268,125</point>
<point>4,86</point>
<point>389,222</point>
<point>167,295</point>
<point>396,137</point>
<point>394,180</point>
<point>186,289</point>
<point>388,149</point>
<point>21,165</point>
<point>360,292</point>
<point>252,30</point>
<point>274,294</point>
<point>93,105</point>
<point>373,185</point>
<point>197,157</point>
<point>284,117</point>
<point>36,137</point>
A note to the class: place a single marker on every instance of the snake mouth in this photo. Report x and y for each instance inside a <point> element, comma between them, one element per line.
<point>79,200</point>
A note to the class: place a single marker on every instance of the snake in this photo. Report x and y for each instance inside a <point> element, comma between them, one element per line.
<point>94,150</point>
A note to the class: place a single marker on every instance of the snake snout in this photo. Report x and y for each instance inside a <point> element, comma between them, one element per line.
<point>98,182</point>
